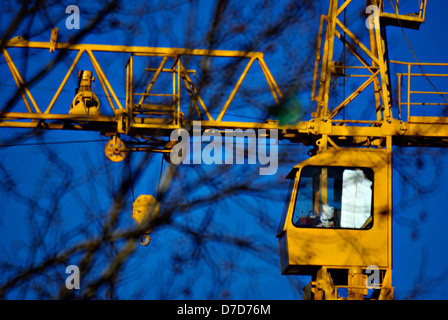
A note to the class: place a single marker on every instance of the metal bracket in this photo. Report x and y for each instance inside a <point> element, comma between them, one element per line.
<point>54,36</point>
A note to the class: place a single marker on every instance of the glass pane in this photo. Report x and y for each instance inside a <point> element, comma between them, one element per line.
<point>285,207</point>
<point>334,197</point>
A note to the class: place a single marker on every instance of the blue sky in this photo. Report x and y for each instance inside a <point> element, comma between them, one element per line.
<point>419,237</point>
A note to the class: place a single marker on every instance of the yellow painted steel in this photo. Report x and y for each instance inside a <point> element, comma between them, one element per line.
<point>128,120</point>
<point>145,210</point>
<point>412,21</point>
<point>326,253</point>
<point>20,83</point>
<point>313,250</point>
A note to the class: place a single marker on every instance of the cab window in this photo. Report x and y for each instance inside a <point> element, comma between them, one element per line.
<point>334,197</point>
<point>285,207</point>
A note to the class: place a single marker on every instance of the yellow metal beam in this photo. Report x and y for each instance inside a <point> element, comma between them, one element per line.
<point>104,82</point>
<point>149,51</point>
<point>275,90</point>
<point>44,116</point>
<point>235,89</point>
<point>64,81</point>
<point>353,95</point>
<point>20,82</point>
<point>194,93</point>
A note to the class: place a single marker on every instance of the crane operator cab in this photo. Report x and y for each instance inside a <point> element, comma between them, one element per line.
<point>336,223</point>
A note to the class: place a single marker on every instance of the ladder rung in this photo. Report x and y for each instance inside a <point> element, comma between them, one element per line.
<point>428,120</point>
<point>146,120</point>
<point>154,107</point>
<point>405,21</point>
<point>155,94</point>
<point>161,113</point>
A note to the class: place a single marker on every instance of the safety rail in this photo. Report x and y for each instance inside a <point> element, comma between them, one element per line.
<point>428,95</point>
<point>142,111</point>
<point>411,20</point>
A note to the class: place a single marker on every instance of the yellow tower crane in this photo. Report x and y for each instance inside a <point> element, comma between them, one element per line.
<point>337,222</point>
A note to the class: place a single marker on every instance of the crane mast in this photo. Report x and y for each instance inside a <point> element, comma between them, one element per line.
<point>356,146</point>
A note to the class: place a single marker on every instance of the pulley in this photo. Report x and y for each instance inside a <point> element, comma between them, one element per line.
<point>115,149</point>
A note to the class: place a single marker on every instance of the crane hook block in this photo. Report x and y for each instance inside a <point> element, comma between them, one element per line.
<point>145,210</point>
<point>115,150</point>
